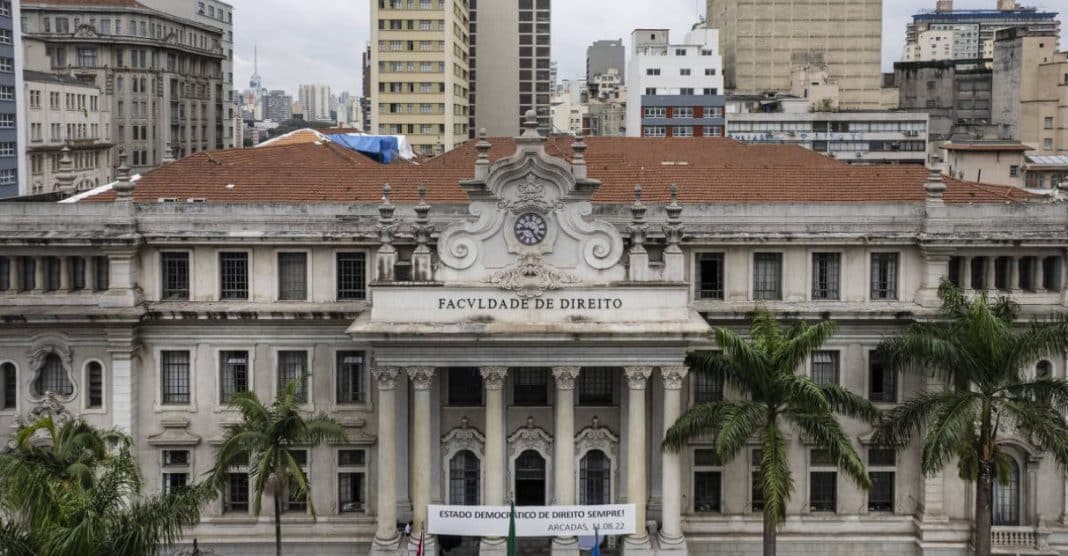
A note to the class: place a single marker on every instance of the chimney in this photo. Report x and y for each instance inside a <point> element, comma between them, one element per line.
<point>1006,5</point>
<point>944,6</point>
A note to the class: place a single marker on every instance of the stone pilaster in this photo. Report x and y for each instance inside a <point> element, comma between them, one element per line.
<point>637,380</point>
<point>387,541</point>
<point>564,450</point>
<point>671,538</point>
<point>494,489</point>
<point>122,346</point>
<point>421,379</point>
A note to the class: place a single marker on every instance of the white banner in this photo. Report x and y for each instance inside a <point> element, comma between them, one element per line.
<point>532,521</point>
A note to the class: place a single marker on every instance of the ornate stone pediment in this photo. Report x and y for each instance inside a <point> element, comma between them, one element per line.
<point>532,229</point>
<point>175,433</point>
<point>38,358</point>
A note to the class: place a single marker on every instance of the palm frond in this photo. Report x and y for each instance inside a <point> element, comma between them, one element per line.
<point>823,429</point>
<point>806,339</point>
<point>1044,425</point>
<point>901,423</point>
<point>845,402</point>
<point>953,426</point>
<point>776,480</point>
<point>703,419</point>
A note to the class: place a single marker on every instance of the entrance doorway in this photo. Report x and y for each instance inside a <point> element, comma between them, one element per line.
<point>530,479</point>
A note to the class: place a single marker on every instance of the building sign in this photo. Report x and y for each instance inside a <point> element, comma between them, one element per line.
<point>500,303</point>
<point>532,521</point>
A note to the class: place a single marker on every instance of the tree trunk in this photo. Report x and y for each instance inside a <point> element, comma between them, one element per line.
<point>983,514</point>
<point>277,524</point>
<point>771,525</point>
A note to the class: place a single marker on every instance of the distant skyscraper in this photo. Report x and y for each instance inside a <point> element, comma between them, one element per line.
<point>602,56</point>
<point>970,33</point>
<point>763,43</point>
<point>511,66</point>
<point>277,106</point>
<point>316,102</point>
<point>256,82</point>
<point>12,136</point>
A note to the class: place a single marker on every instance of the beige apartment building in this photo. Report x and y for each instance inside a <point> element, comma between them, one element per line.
<point>1030,89</point>
<point>420,72</point>
<point>764,41</point>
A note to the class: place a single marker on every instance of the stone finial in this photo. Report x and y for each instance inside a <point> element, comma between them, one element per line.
<point>422,267</point>
<point>168,154</point>
<point>422,210</point>
<point>578,165</point>
<point>386,209</point>
<point>935,187</point>
<point>674,209</point>
<point>123,187</point>
<point>386,258</point>
<point>65,177</point>
<point>637,227</point>
<point>674,229</point>
<point>530,125</point>
<point>483,147</point>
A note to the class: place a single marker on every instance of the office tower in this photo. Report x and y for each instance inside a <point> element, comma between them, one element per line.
<point>12,138</point>
<point>510,63</point>
<point>602,56</point>
<point>420,72</point>
<point>277,106</point>
<point>970,33</point>
<point>316,102</point>
<point>764,42</point>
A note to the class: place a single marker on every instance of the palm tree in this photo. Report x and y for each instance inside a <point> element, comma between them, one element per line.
<point>764,371</point>
<point>68,488</point>
<point>264,438</point>
<point>979,349</point>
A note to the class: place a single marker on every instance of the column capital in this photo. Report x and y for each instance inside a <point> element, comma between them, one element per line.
<point>637,377</point>
<point>565,377</point>
<point>673,376</point>
<point>493,377</point>
<point>385,377</point>
<point>421,377</point>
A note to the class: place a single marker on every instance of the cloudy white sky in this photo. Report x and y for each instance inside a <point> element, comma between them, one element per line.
<point>321,41</point>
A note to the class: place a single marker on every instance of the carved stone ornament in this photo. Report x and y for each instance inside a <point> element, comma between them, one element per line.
<point>493,377</point>
<point>38,356</point>
<point>565,377</point>
<point>637,377</point>
<point>421,377</point>
<point>531,196</point>
<point>673,377</point>
<point>385,377</point>
<point>531,277</point>
<point>530,437</point>
<point>462,438</point>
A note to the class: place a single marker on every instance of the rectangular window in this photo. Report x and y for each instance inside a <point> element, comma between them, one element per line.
<point>10,385</point>
<point>682,112</point>
<point>293,366</point>
<point>233,373</point>
<point>977,273</point>
<point>707,387</point>
<point>174,377</point>
<point>707,482</point>
<point>530,386</point>
<point>767,276</point>
<point>954,277</point>
<point>823,488</point>
<point>235,493</point>
<point>351,476</point>
<point>294,502</point>
<point>465,386</point>
<point>882,380</point>
<point>351,276</point>
<point>174,271</point>
<point>756,493</point>
<point>881,469</point>
<point>884,276</point>
<point>292,276</point>
<point>1002,273</point>
<point>826,274</point>
<point>595,385</point>
<point>825,367</point>
<point>101,274</point>
<point>95,385</point>
<point>350,373</point>
<point>233,275</point>
<point>710,276</point>
<point>1051,274</point>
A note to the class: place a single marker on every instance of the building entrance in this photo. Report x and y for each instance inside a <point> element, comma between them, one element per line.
<point>530,479</point>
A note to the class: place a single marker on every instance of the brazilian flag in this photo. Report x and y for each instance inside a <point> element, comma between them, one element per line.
<point>511,532</point>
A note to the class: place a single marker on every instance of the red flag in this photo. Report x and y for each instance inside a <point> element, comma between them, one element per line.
<point>419,552</point>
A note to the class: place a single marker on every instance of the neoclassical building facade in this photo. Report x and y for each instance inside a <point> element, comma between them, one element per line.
<point>510,322</point>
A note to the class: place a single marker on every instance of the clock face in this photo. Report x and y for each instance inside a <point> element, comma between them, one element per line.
<point>530,229</point>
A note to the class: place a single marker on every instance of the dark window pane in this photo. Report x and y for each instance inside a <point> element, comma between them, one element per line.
<point>292,366</point>
<point>350,367</point>
<point>465,386</point>
<point>10,384</point>
<point>76,267</point>
<point>234,373</point>
<point>882,380</point>
<point>978,273</point>
<point>292,276</point>
<point>1006,498</point>
<point>594,478</point>
<point>53,378</point>
<point>706,458</point>
<point>881,497</point>
<point>351,458</point>
<point>464,475</point>
<point>175,273</point>
<point>235,495</point>
<point>955,266</point>
<point>884,276</point>
<point>706,491</point>
<point>350,494</point>
<point>351,276</point>
<point>53,269</point>
<point>707,387</point>
<point>826,274</point>
<point>175,377</point>
<point>823,494</point>
<point>234,275</point>
<point>825,367</point>
<point>101,274</point>
<point>530,386</point>
<point>767,276</point>
<point>710,276</point>
<point>27,273</point>
<point>95,385</point>
<point>595,385</point>
<point>1002,270</point>
<point>5,273</point>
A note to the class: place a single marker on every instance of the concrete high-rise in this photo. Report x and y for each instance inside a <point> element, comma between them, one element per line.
<point>510,64</point>
<point>971,31</point>
<point>603,56</point>
<point>316,102</point>
<point>12,138</point>
<point>420,72</point>
<point>765,41</point>
<point>277,106</point>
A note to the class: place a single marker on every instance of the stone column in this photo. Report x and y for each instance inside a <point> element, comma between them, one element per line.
<point>671,490</point>
<point>966,273</point>
<point>39,273</point>
<point>122,346</point>
<point>1014,274</point>
<point>564,450</point>
<point>13,274</point>
<point>1039,274</point>
<point>991,275</point>
<point>387,541</point>
<point>493,490</point>
<point>64,274</point>
<point>421,377</point>
<point>637,378</point>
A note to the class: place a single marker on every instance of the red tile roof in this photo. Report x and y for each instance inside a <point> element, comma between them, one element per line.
<point>707,170</point>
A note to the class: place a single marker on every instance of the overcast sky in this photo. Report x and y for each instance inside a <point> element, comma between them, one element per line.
<point>321,42</point>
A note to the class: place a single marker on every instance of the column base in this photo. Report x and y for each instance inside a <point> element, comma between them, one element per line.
<point>565,546</point>
<point>386,547</point>
<point>638,546</point>
<point>493,546</point>
<point>674,547</point>
<point>430,545</point>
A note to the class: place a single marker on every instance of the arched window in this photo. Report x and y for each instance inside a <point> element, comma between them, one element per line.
<point>594,478</point>
<point>94,385</point>
<point>1044,369</point>
<point>53,378</point>
<point>1006,498</point>
<point>464,475</point>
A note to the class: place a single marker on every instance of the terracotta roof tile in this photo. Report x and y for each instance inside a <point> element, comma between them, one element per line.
<point>707,170</point>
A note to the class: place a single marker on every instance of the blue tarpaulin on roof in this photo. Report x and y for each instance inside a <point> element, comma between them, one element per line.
<point>383,148</point>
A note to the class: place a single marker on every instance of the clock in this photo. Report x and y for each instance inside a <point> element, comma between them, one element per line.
<point>530,229</point>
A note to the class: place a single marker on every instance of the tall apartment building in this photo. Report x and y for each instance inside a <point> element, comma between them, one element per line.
<point>513,74</point>
<point>420,72</point>
<point>12,147</point>
<point>1030,89</point>
<point>161,74</point>
<point>277,106</point>
<point>764,41</point>
<point>215,14</point>
<point>602,57</point>
<point>971,32</point>
<point>676,90</point>
<point>316,102</point>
